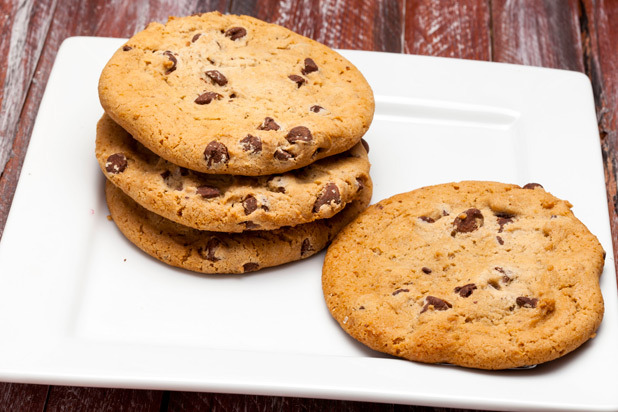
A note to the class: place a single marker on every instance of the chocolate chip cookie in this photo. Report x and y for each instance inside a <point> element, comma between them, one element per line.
<point>214,252</point>
<point>478,274</point>
<point>227,203</point>
<point>224,94</point>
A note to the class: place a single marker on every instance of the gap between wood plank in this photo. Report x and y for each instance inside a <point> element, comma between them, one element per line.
<point>490,5</point>
<point>403,26</point>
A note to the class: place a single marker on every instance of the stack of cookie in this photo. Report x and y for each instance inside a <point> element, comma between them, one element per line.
<point>231,144</point>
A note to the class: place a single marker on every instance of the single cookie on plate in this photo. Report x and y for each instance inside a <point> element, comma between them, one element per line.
<point>477,274</point>
<point>227,203</point>
<point>227,94</point>
<point>216,252</point>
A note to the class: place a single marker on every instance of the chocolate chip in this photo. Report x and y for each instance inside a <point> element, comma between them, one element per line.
<point>217,77</point>
<point>499,239</point>
<point>437,303</point>
<point>494,284</point>
<point>329,195</point>
<point>183,171</point>
<point>398,291</point>
<point>465,290</point>
<point>361,184</point>
<point>361,308</point>
<point>310,67</point>
<point>197,36</point>
<point>170,181</point>
<point>604,255</point>
<point>251,144</point>
<point>116,163</point>
<point>249,204</point>
<point>427,219</point>
<point>319,150</point>
<point>297,79</point>
<point>216,153</point>
<point>172,59</point>
<point>281,154</point>
<point>468,221</point>
<point>503,219</point>
<point>316,108</point>
<point>426,270</point>
<point>274,184</point>
<point>126,48</point>
<point>306,247</point>
<point>250,225</point>
<point>525,302</point>
<point>235,33</point>
<point>211,248</point>
<point>269,124</point>
<point>250,267</point>
<point>532,186</point>
<point>207,97</point>
<point>365,145</point>
<point>299,133</point>
<point>208,192</point>
<point>505,277</point>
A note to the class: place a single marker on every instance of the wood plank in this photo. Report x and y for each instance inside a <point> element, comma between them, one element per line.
<point>448,28</point>
<point>119,18</point>
<point>344,24</point>
<point>537,33</point>
<point>29,21</point>
<point>193,401</point>
<point>7,16</point>
<point>69,398</point>
<point>21,397</point>
<point>600,40</point>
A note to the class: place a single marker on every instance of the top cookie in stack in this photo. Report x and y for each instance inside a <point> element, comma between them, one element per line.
<point>226,94</point>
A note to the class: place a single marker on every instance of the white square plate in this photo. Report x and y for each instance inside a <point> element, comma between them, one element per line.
<point>80,305</point>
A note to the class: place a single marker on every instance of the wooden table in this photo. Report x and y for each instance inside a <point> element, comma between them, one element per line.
<point>567,34</point>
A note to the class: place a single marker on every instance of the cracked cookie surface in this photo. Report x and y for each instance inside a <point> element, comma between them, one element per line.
<point>215,252</point>
<point>476,274</point>
<point>226,94</point>
<point>227,203</point>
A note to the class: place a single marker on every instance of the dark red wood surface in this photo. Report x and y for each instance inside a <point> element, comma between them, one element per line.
<point>577,35</point>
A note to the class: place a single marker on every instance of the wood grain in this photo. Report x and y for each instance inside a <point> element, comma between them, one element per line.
<point>448,28</point>
<point>191,401</point>
<point>344,24</point>
<point>600,45</point>
<point>537,33</point>
<point>29,21</point>
<point>6,23</point>
<point>68,398</point>
<point>21,397</point>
